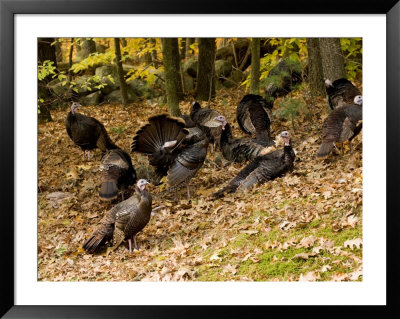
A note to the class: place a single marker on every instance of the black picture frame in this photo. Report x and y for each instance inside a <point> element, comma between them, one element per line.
<point>9,8</point>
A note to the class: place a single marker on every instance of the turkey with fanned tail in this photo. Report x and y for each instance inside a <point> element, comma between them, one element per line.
<point>263,168</point>
<point>87,132</point>
<point>175,151</point>
<point>123,221</point>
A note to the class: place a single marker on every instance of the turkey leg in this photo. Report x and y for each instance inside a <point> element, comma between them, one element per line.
<point>130,245</point>
<point>188,190</point>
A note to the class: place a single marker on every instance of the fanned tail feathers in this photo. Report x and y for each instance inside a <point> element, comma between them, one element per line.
<point>160,129</point>
<point>108,190</point>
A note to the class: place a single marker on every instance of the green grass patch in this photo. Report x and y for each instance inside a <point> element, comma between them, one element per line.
<point>117,130</point>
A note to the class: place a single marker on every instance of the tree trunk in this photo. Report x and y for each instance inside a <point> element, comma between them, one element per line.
<point>315,76</point>
<point>122,83</point>
<point>154,53</point>
<point>183,48</point>
<point>189,42</point>
<point>170,75</point>
<point>205,88</point>
<point>59,53</point>
<point>46,51</point>
<point>71,51</point>
<point>148,59</point>
<point>255,66</point>
<point>332,58</point>
<point>177,65</point>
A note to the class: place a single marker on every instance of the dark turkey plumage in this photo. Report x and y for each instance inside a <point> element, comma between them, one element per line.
<point>341,125</point>
<point>123,221</point>
<point>189,160</point>
<point>340,92</point>
<point>204,119</point>
<point>263,168</point>
<point>188,121</point>
<point>252,117</point>
<point>173,149</point>
<point>87,132</point>
<point>282,79</point>
<point>117,173</point>
<point>237,149</point>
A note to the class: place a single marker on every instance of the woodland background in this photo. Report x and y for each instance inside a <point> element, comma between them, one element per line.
<point>304,226</point>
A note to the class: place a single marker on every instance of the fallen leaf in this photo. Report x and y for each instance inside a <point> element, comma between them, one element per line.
<point>310,276</point>
<point>357,242</point>
<point>325,268</point>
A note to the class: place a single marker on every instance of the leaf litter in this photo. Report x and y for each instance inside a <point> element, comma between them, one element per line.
<point>305,226</point>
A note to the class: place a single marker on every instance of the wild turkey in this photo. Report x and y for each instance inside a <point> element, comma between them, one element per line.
<point>87,132</point>
<point>123,221</point>
<point>340,92</point>
<point>172,149</point>
<point>340,126</point>
<point>117,173</point>
<point>263,168</point>
<point>189,160</point>
<point>282,79</point>
<point>205,119</point>
<point>188,121</point>
<point>252,117</point>
<point>237,150</point>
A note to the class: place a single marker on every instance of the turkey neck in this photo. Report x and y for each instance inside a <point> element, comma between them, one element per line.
<point>145,201</point>
<point>226,134</point>
<point>288,154</point>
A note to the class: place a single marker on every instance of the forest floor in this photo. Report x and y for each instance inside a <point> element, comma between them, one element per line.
<point>304,226</point>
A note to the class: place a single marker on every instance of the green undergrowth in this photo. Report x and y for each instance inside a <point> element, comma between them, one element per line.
<point>275,263</point>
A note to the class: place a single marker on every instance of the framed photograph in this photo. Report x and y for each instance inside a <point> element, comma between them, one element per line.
<point>237,251</point>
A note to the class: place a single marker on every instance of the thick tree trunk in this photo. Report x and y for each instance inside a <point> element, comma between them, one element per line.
<point>255,66</point>
<point>122,83</point>
<point>170,76</point>
<point>205,88</point>
<point>315,76</point>
<point>332,58</point>
<point>46,51</point>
